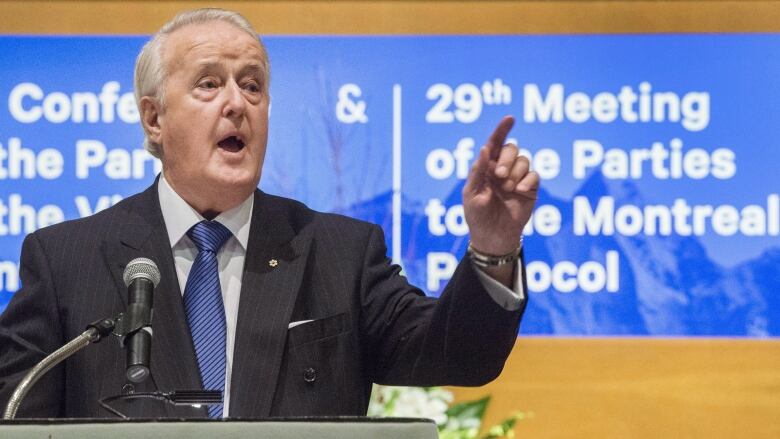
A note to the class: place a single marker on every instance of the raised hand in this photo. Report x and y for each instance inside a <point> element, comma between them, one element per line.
<point>500,194</point>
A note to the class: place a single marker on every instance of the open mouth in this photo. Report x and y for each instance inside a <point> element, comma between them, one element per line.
<point>231,144</point>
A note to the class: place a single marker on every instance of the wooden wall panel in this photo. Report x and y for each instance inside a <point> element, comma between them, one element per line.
<point>618,388</point>
<point>403,17</point>
<point>576,388</point>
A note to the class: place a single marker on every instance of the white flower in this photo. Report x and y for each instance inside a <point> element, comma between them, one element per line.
<point>412,402</point>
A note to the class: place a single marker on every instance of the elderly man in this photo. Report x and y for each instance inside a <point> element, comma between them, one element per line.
<point>286,310</point>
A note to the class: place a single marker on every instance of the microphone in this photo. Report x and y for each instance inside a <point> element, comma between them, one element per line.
<point>141,276</point>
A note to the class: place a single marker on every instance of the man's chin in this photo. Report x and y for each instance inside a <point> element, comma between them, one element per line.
<point>234,186</point>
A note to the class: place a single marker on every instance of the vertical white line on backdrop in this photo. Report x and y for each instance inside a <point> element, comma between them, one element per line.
<point>396,252</point>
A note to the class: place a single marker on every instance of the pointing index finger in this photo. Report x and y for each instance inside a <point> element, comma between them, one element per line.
<point>497,139</point>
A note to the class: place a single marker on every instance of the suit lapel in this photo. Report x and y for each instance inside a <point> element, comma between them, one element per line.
<point>143,234</point>
<point>274,267</point>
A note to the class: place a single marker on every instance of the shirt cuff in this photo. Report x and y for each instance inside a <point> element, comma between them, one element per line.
<point>508,299</point>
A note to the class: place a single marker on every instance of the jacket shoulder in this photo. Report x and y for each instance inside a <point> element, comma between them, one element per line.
<point>301,216</point>
<point>94,225</point>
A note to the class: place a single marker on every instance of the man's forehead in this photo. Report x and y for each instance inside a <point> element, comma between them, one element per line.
<point>210,43</point>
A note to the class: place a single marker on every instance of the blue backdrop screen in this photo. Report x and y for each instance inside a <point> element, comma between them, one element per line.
<point>659,211</point>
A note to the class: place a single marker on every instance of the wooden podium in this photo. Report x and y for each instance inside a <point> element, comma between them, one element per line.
<point>273,428</point>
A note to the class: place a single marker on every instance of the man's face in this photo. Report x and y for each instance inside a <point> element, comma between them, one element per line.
<point>214,125</point>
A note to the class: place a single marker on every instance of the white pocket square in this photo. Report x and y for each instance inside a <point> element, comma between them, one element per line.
<point>299,322</point>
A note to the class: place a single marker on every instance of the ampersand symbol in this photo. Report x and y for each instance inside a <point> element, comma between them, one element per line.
<point>347,110</point>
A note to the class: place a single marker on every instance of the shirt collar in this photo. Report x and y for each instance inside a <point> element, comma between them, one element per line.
<point>179,216</point>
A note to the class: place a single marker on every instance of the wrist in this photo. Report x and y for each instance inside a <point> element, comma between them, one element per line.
<point>495,245</point>
<point>484,259</point>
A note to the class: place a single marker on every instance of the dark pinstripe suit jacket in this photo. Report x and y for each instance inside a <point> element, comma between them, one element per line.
<point>369,324</point>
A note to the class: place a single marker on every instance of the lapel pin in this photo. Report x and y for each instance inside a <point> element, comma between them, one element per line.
<point>273,262</point>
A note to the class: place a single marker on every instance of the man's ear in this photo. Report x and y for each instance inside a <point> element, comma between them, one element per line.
<point>150,118</point>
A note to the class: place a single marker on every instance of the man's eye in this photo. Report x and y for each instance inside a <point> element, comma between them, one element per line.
<point>252,87</point>
<point>208,84</point>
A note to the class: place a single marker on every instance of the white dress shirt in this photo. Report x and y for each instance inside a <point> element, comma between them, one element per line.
<point>180,217</point>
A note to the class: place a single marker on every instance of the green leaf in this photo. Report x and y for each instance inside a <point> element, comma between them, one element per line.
<point>469,410</point>
<point>505,428</point>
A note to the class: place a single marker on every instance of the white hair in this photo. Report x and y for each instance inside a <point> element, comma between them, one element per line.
<point>150,70</point>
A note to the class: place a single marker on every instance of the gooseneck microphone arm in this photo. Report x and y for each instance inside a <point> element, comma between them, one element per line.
<point>94,333</point>
<point>134,328</point>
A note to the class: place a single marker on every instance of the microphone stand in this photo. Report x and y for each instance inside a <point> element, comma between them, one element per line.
<point>121,327</point>
<point>94,333</point>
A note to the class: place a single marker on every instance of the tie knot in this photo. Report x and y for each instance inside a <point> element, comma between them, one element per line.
<point>209,235</point>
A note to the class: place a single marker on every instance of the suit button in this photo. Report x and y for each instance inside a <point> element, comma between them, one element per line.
<point>309,374</point>
<point>128,389</point>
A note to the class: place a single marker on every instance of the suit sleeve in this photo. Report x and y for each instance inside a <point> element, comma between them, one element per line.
<point>463,338</point>
<point>29,331</point>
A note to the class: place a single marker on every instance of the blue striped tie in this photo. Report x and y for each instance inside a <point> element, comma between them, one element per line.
<point>204,307</point>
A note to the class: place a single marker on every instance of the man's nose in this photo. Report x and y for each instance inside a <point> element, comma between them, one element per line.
<point>234,105</point>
